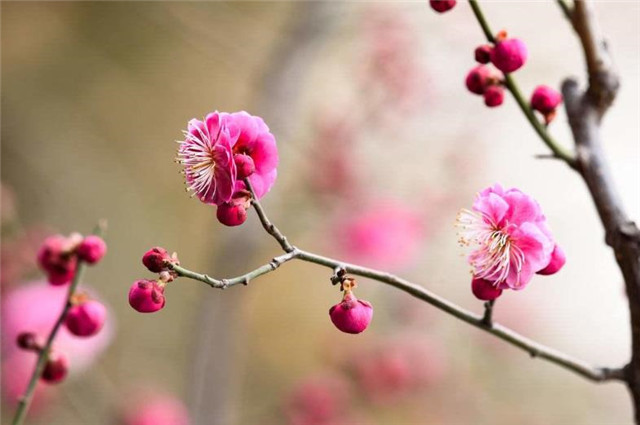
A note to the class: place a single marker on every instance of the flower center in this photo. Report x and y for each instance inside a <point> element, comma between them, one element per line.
<point>496,254</point>
<point>197,156</point>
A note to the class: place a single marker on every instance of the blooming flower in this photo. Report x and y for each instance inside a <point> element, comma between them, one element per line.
<point>255,141</point>
<point>511,235</point>
<point>206,155</point>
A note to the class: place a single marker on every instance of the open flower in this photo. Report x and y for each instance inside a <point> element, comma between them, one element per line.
<point>206,155</point>
<point>511,236</point>
<point>256,142</point>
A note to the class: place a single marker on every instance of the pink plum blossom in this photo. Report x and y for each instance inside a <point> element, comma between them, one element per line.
<point>255,141</point>
<point>387,234</point>
<point>206,155</point>
<point>510,235</point>
<point>92,249</point>
<point>147,296</point>
<point>86,318</point>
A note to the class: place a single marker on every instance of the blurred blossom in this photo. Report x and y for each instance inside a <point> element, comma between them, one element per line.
<point>318,400</point>
<point>35,307</point>
<point>397,367</point>
<point>332,150</point>
<point>17,255</point>
<point>385,235</point>
<point>392,58</point>
<point>152,408</point>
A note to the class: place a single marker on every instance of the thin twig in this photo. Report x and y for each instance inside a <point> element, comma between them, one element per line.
<point>43,356</point>
<point>244,279</point>
<point>339,267</point>
<point>557,149</point>
<point>268,226</point>
<point>487,319</point>
<point>566,9</point>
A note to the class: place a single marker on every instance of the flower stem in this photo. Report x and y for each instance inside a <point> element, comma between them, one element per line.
<point>559,151</point>
<point>43,356</point>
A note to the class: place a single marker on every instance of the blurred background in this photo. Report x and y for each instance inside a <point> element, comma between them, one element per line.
<point>380,145</point>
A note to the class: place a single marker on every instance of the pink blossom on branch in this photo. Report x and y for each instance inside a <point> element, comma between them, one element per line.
<point>510,235</point>
<point>256,142</point>
<point>206,155</point>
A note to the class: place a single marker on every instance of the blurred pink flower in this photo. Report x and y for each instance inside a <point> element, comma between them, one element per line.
<point>387,235</point>
<point>318,400</point>
<point>34,307</point>
<point>511,234</point>
<point>255,141</point>
<point>207,158</point>
<point>17,255</point>
<point>397,367</point>
<point>156,409</point>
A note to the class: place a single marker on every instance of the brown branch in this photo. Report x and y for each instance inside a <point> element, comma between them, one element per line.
<point>603,81</point>
<point>339,268</point>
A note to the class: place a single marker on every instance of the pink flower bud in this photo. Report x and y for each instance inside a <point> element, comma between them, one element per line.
<point>442,6</point>
<point>484,289</point>
<point>558,258</point>
<point>92,249</point>
<point>146,296</point>
<point>28,341</point>
<point>86,319</point>
<point>231,214</point>
<point>493,96</point>
<point>57,259</point>
<point>483,53</point>
<point>56,368</point>
<point>351,315</point>
<point>155,258</point>
<point>545,100</point>
<point>480,78</point>
<point>509,54</point>
<point>244,165</point>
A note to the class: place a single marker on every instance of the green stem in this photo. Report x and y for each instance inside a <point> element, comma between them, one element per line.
<point>558,151</point>
<point>25,400</point>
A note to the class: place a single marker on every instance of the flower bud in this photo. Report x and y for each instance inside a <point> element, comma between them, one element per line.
<point>484,289</point>
<point>558,258</point>
<point>86,319</point>
<point>231,214</point>
<point>545,100</point>
<point>483,53</point>
<point>494,96</point>
<point>509,54</point>
<point>92,249</point>
<point>480,78</point>
<point>244,165</point>
<point>146,296</point>
<point>57,259</point>
<point>351,315</point>
<point>28,341</point>
<point>155,258</point>
<point>442,6</point>
<point>56,368</point>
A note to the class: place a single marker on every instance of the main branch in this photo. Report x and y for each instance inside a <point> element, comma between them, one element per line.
<point>484,322</point>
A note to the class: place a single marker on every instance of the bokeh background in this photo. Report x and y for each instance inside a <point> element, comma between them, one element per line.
<point>380,146</point>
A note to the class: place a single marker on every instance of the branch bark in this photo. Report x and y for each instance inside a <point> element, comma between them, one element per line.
<point>585,110</point>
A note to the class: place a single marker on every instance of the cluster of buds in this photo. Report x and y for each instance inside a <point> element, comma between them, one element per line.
<point>506,55</point>
<point>147,296</point>
<point>57,366</point>
<point>59,255</point>
<point>351,315</point>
